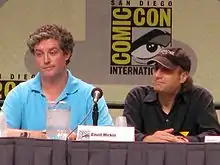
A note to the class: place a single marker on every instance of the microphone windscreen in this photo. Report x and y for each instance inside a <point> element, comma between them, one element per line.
<point>97,90</point>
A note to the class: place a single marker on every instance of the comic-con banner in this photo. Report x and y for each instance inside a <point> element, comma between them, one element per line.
<point>8,84</point>
<point>114,39</point>
<point>138,32</point>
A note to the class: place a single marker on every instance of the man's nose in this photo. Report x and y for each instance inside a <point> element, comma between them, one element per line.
<point>158,73</point>
<point>46,59</point>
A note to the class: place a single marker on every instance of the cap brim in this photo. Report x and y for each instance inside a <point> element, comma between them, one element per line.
<point>162,61</point>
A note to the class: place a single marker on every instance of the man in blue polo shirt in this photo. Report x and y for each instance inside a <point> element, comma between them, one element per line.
<point>25,105</point>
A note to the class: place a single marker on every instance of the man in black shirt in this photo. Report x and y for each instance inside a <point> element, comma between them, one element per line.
<point>173,109</point>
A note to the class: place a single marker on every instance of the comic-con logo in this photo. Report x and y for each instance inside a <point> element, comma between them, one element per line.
<point>137,35</point>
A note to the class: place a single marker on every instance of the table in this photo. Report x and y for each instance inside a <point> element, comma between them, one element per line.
<point>21,151</point>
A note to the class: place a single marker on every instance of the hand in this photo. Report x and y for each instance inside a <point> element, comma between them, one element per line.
<point>38,135</point>
<point>181,139</point>
<point>162,136</point>
<point>72,136</point>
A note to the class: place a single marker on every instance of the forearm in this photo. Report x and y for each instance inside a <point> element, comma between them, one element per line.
<point>201,137</point>
<point>194,139</point>
<point>139,136</point>
<point>8,132</point>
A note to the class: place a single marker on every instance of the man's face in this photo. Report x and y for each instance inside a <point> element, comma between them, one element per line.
<point>50,59</point>
<point>168,80</point>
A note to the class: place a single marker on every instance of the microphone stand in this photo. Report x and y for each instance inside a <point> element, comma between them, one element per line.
<point>95,114</point>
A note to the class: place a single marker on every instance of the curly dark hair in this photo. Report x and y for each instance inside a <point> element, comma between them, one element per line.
<point>52,31</point>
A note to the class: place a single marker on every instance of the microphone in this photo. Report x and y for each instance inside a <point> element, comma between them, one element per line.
<point>96,94</point>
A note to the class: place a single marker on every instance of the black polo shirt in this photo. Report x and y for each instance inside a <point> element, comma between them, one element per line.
<point>193,113</point>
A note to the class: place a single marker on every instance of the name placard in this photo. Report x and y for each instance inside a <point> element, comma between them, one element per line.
<point>212,139</point>
<point>105,133</point>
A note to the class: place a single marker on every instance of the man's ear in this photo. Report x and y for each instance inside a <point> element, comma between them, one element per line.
<point>183,77</point>
<point>67,56</point>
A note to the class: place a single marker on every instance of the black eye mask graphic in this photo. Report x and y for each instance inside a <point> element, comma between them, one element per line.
<point>148,45</point>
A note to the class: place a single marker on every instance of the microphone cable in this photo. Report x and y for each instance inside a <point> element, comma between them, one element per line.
<point>67,138</point>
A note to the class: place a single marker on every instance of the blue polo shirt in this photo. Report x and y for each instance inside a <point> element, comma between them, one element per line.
<point>25,105</point>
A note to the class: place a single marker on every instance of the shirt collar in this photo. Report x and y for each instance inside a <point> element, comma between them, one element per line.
<point>184,95</point>
<point>152,96</point>
<point>72,84</point>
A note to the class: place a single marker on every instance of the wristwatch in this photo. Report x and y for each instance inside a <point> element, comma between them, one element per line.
<point>25,134</point>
